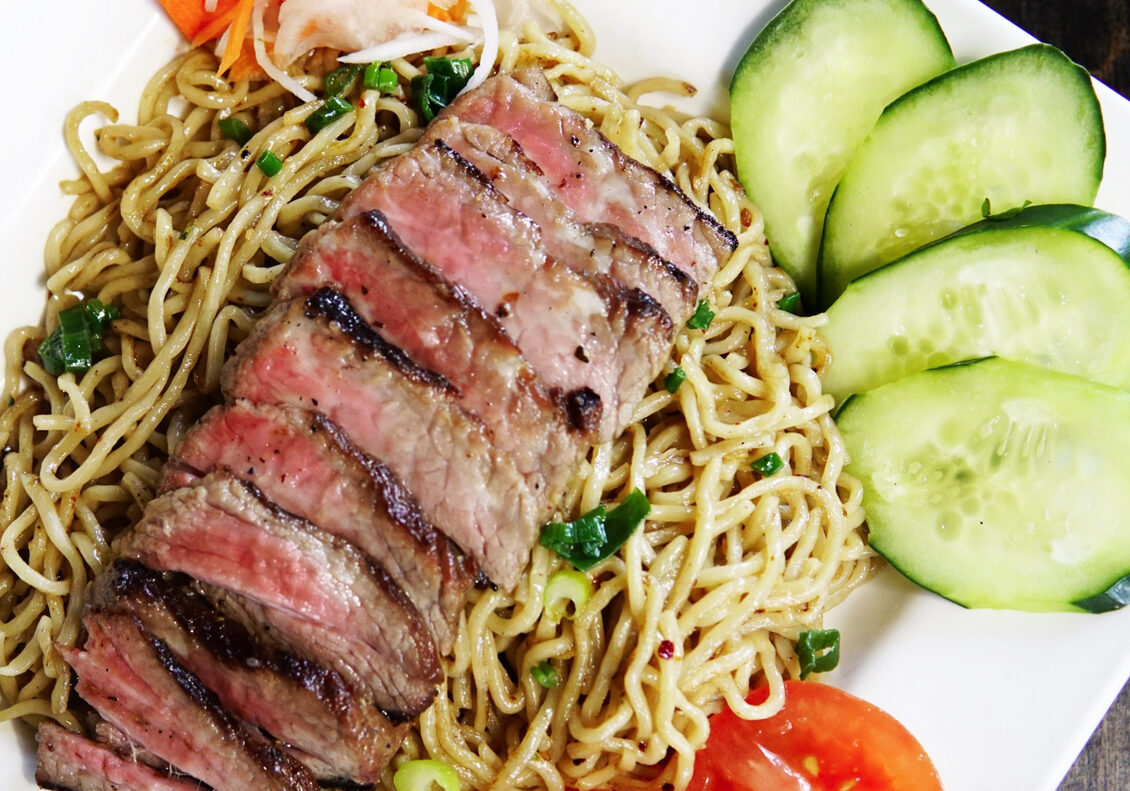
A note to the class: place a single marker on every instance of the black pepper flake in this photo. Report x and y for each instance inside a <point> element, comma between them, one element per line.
<point>666,649</point>
<point>581,355</point>
<point>574,140</point>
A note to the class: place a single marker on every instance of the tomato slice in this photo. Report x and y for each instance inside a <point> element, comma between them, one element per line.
<point>823,739</point>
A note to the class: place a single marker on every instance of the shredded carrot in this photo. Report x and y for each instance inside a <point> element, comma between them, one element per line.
<point>456,12</point>
<point>191,17</point>
<point>236,34</point>
<point>216,26</point>
<point>246,66</point>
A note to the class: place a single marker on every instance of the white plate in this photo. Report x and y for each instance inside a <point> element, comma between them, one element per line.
<point>1002,701</point>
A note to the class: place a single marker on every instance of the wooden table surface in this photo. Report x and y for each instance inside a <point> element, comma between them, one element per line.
<point>1096,34</point>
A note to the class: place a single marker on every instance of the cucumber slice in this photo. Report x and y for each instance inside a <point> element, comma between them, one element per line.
<point>1018,126</point>
<point>806,93</point>
<point>998,484</point>
<point>1046,295</point>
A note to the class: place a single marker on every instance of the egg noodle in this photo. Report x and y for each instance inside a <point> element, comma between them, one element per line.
<point>706,601</point>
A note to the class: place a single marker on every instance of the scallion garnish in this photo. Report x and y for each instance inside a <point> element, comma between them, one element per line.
<point>380,77</point>
<point>674,379</point>
<point>789,302</point>
<point>545,675</point>
<point>818,651</point>
<point>596,535</point>
<point>73,344</point>
<point>445,78</point>
<point>769,464</point>
<point>269,163</point>
<point>702,317</point>
<point>340,80</point>
<point>333,108</point>
<point>566,587</point>
<point>234,129</point>
<point>422,775</point>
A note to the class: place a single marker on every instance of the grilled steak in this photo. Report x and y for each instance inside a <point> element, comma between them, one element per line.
<point>336,734</point>
<point>593,177</point>
<point>577,331</point>
<point>603,248</point>
<point>442,329</point>
<point>318,354</point>
<point>303,463</point>
<point>133,681</point>
<point>66,761</point>
<point>222,533</point>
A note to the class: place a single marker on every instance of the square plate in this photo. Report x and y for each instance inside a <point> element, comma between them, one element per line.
<point>1001,700</point>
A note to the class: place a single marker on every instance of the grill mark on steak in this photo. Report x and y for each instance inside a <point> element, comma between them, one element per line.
<point>305,464</point>
<point>548,308</point>
<point>66,761</point>
<point>594,248</point>
<point>443,328</point>
<point>469,489</point>
<point>326,726</point>
<point>222,532</point>
<point>589,173</point>
<point>135,683</point>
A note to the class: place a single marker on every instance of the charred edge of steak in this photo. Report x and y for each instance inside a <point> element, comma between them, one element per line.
<point>269,757</point>
<point>616,235</point>
<point>482,178</point>
<point>378,223</point>
<point>330,305</point>
<point>583,408</point>
<point>225,638</point>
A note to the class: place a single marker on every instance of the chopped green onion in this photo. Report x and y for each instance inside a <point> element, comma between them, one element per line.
<point>545,675</point>
<point>340,80</point>
<point>332,109</point>
<point>445,78</point>
<point>674,379</point>
<point>380,77</point>
<point>422,774</point>
<point>566,587</point>
<point>769,464</point>
<point>235,129</point>
<point>702,317</point>
<point>596,535</point>
<point>789,302</point>
<point>73,344</point>
<point>818,651</point>
<point>269,163</point>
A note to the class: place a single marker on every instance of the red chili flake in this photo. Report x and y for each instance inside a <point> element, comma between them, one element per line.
<point>747,218</point>
<point>666,649</point>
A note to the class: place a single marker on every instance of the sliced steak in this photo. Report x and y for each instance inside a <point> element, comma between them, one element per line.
<point>604,248</point>
<point>337,734</point>
<point>441,327</point>
<point>304,463</point>
<point>593,177</point>
<point>580,333</point>
<point>67,761</point>
<point>318,354</point>
<point>223,533</point>
<point>134,682</point>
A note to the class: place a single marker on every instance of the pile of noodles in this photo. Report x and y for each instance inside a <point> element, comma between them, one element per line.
<point>701,604</point>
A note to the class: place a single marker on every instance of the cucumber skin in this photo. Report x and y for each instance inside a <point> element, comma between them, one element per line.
<point>836,269</point>
<point>961,388</point>
<point>856,318</point>
<point>763,110</point>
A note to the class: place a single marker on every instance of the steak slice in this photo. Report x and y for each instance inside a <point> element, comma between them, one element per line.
<point>66,761</point>
<point>579,332</point>
<point>304,463</point>
<point>336,734</point>
<point>318,354</point>
<point>133,681</point>
<point>604,248</point>
<point>593,177</point>
<point>223,533</point>
<point>441,327</point>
